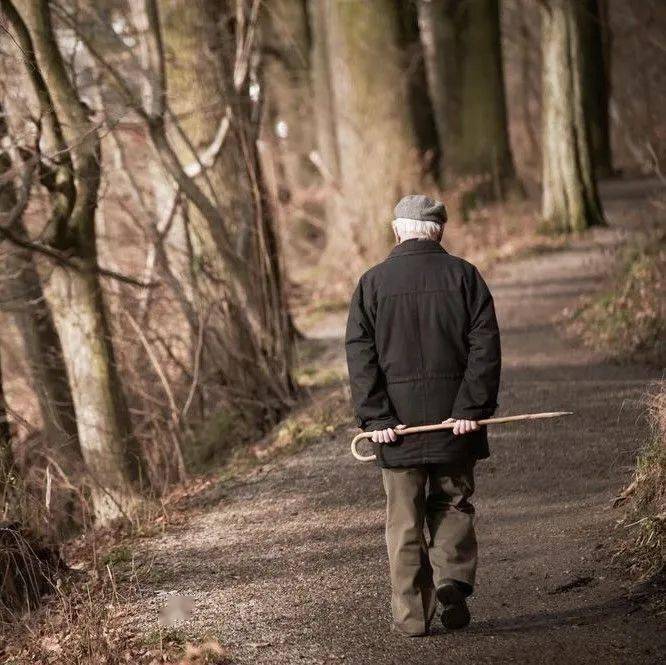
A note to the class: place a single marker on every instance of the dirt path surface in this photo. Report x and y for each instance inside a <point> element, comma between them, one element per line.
<point>291,567</point>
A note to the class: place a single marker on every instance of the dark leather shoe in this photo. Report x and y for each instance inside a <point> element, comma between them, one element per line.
<point>455,613</point>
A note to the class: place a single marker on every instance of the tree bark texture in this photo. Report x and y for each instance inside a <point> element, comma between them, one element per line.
<point>23,297</point>
<point>420,103</point>
<point>6,457</point>
<point>377,146</point>
<point>570,198</point>
<point>286,76</point>
<point>466,79</point>
<point>322,91</point>
<point>594,31</point>
<point>248,343</point>
<point>104,429</point>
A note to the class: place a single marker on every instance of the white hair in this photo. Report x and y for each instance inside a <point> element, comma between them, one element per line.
<point>407,229</point>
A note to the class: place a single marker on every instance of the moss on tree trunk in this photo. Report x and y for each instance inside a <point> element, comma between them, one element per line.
<point>570,198</point>
<point>465,71</point>
<point>376,143</point>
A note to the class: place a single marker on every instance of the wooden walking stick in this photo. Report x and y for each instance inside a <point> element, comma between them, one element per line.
<point>441,426</point>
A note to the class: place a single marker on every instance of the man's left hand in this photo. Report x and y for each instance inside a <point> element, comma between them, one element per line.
<point>463,426</point>
<point>387,435</point>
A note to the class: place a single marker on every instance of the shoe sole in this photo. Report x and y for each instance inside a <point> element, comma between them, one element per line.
<point>455,613</point>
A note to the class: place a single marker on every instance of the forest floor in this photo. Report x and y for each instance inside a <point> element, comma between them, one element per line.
<point>288,565</point>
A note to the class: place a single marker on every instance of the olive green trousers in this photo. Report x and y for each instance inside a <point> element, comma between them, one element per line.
<point>435,496</point>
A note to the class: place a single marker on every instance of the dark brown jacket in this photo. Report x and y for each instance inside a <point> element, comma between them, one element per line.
<point>422,346</point>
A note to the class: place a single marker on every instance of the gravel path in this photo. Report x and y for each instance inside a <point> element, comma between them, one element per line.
<point>291,567</point>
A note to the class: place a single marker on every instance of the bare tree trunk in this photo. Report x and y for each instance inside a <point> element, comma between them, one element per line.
<point>465,71</point>
<point>594,31</point>
<point>108,447</point>
<point>376,143</point>
<point>286,48</point>
<point>248,340</point>
<point>23,297</point>
<point>327,157</point>
<point>570,198</point>
<point>420,103</point>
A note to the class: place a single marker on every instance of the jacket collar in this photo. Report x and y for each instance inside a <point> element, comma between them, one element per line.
<point>416,246</point>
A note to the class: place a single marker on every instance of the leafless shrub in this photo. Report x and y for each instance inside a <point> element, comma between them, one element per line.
<point>28,570</point>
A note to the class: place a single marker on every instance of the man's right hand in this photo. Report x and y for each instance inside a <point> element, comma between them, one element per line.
<point>462,426</point>
<point>387,435</point>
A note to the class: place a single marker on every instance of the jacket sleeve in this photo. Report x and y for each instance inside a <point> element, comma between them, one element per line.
<point>477,395</point>
<point>368,385</point>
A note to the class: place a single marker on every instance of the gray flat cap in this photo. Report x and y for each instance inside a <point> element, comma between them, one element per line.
<point>421,208</point>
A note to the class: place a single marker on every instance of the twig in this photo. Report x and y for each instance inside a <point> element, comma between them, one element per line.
<point>197,364</point>
<point>62,259</point>
<point>156,366</point>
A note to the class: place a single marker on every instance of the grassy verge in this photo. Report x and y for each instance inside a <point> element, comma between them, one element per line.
<point>628,321</point>
<point>645,547</point>
<point>84,622</point>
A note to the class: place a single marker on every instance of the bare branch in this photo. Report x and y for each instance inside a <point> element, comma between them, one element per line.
<point>156,59</point>
<point>208,156</point>
<point>63,259</point>
<point>9,219</point>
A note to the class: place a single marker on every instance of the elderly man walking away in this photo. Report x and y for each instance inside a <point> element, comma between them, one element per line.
<point>423,347</point>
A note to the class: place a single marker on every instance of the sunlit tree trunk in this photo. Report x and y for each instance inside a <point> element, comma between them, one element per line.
<point>465,70</point>
<point>248,339</point>
<point>43,354</point>
<point>594,31</point>
<point>22,296</point>
<point>109,449</point>
<point>570,198</point>
<point>376,143</point>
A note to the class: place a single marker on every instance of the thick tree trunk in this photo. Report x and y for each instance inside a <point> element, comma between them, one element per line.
<point>570,198</point>
<point>465,71</point>
<point>596,76</point>
<point>23,297</point>
<point>328,158</point>
<point>48,376</point>
<point>103,424</point>
<point>420,103</point>
<point>110,451</point>
<point>248,342</point>
<point>376,143</point>
<point>286,47</point>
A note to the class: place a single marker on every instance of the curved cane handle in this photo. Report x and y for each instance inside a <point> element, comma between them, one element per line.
<point>399,432</point>
<point>355,453</point>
